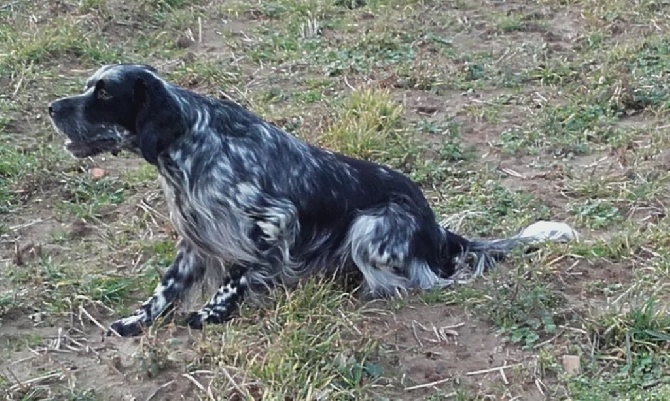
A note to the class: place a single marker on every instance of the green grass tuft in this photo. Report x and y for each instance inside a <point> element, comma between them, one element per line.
<point>365,124</point>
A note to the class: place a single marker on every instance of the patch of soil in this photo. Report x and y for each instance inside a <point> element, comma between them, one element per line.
<point>29,236</point>
<point>544,177</point>
<point>443,348</point>
<point>114,369</point>
<point>579,274</point>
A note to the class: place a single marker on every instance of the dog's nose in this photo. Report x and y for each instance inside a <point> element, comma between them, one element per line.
<point>54,107</point>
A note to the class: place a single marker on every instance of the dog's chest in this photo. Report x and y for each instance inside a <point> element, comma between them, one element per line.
<point>182,212</point>
<point>187,214</point>
<point>206,221</point>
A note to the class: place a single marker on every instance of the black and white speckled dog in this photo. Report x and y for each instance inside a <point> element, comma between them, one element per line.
<point>256,206</point>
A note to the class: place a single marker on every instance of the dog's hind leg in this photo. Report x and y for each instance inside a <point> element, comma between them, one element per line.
<point>222,304</point>
<point>389,247</point>
<point>230,294</point>
<point>187,268</point>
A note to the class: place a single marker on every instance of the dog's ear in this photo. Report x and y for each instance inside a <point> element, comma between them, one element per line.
<point>159,121</point>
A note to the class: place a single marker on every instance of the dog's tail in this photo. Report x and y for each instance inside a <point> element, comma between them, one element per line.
<point>486,252</point>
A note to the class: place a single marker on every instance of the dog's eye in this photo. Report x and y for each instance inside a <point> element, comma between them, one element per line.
<point>102,94</point>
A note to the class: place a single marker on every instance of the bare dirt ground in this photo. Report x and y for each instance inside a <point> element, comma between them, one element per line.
<point>506,112</point>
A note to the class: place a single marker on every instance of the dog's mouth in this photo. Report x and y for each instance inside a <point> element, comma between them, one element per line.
<point>82,149</point>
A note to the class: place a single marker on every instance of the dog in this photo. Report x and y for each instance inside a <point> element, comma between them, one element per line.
<point>254,206</point>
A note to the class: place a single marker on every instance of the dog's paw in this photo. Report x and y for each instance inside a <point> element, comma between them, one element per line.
<point>126,327</point>
<point>196,320</point>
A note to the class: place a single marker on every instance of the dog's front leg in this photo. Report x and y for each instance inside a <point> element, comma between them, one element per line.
<point>186,269</point>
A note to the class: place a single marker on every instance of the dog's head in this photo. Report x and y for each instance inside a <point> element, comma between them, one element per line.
<point>123,106</point>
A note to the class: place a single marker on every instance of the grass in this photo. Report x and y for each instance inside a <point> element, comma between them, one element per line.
<point>366,125</point>
<point>293,347</point>
<point>504,113</point>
